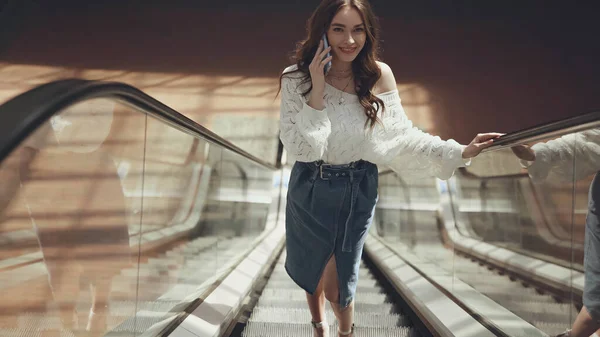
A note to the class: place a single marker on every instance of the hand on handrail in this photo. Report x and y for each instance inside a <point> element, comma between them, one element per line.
<point>524,152</point>
<point>479,143</point>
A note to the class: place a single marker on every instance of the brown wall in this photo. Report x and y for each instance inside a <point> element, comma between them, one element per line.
<point>479,75</point>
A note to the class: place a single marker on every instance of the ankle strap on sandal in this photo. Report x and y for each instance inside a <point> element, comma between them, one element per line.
<point>317,325</point>
<point>346,333</point>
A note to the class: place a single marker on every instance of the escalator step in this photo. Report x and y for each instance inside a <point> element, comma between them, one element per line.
<point>260,329</point>
<point>118,311</point>
<point>291,285</point>
<point>382,308</point>
<point>302,316</point>
<point>362,281</point>
<point>299,294</point>
<point>553,328</point>
<point>34,332</point>
<point>278,273</point>
<point>141,322</point>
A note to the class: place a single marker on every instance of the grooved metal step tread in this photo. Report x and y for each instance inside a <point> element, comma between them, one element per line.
<point>260,329</point>
<point>365,282</point>
<point>30,333</point>
<point>299,294</point>
<point>290,285</point>
<point>301,316</point>
<point>383,308</point>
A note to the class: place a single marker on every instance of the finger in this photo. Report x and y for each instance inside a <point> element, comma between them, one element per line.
<point>324,52</point>
<point>324,62</point>
<point>486,144</point>
<point>486,136</point>
<point>318,52</point>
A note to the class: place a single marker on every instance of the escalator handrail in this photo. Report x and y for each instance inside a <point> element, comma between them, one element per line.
<point>547,130</point>
<point>23,114</point>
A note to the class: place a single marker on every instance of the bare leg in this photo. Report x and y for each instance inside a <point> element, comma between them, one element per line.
<point>316,304</point>
<point>65,289</point>
<point>99,311</point>
<point>345,316</point>
<point>584,325</point>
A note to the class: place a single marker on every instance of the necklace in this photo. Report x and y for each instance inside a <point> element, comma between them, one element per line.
<point>347,70</point>
<point>342,99</point>
<point>338,77</point>
<point>340,74</point>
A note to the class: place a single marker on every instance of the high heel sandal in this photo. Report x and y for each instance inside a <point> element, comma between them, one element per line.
<point>565,334</point>
<point>347,333</point>
<point>319,325</point>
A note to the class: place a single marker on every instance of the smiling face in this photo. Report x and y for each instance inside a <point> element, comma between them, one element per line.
<point>347,34</point>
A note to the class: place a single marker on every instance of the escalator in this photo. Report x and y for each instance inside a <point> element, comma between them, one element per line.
<point>116,212</point>
<point>121,217</point>
<point>281,309</point>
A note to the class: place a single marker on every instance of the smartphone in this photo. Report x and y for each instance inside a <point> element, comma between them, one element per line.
<point>325,46</point>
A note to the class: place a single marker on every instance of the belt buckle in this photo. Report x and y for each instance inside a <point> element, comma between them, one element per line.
<point>321,171</point>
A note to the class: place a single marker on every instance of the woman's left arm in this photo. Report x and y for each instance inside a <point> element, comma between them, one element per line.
<point>409,148</point>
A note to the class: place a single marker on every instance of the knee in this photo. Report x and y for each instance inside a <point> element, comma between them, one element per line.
<point>332,294</point>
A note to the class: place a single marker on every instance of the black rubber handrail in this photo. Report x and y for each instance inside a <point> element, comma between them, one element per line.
<point>546,130</point>
<point>22,115</point>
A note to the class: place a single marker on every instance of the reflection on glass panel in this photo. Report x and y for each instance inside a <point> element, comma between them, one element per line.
<point>537,211</point>
<point>563,172</point>
<point>500,207</point>
<point>236,208</point>
<point>114,222</point>
<point>532,201</point>
<point>173,185</point>
<point>491,208</point>
<point>64,225</point>
<point>406,211</point>
<point>407,216</point>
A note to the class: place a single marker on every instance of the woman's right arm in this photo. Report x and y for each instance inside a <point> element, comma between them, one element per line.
<point>303,129</point>
<point>573,156</point>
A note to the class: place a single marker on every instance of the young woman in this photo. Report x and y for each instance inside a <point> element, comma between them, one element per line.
<point>338,126</point>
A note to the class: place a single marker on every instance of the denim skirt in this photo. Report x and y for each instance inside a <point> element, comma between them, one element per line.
<point>591,289</point>
<point>328,213</point>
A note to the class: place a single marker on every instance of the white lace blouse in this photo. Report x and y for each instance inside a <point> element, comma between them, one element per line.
<point>337,134</point>
<point>573,156</point>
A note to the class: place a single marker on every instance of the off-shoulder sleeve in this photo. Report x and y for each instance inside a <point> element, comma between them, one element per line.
<point>573,156</point>
<point>411,151</point>
<point>303,130</point>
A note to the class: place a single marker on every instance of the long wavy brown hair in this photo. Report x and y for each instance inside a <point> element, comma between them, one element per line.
<point>364,67</point>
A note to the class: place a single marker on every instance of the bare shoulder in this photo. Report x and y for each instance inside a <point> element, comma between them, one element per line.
<point>387,82</point>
